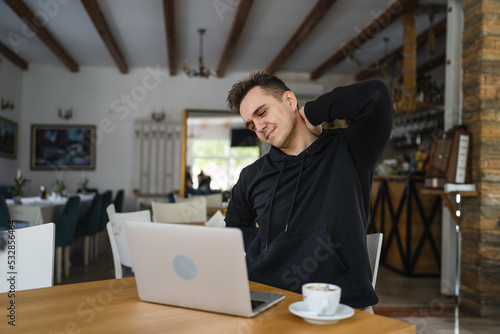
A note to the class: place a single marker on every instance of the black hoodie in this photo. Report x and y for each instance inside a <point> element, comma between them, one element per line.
<point>312,209</point>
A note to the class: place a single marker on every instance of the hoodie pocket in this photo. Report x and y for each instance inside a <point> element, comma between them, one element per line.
<point>332,250</point>
<point>292,260</point>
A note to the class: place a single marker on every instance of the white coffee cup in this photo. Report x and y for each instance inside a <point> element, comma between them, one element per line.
<point>321,298</point>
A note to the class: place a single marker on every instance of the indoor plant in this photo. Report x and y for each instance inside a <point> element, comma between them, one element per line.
<point>20,182</point>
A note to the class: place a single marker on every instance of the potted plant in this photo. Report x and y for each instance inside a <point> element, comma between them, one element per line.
<point>20,182</point>
<point>59,188</point>
<point>83,184</point>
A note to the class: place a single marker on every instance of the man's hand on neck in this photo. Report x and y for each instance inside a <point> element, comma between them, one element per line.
<point>315,129</point>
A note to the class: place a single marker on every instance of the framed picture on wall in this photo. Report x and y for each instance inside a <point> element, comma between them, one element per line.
<point>8,138</point>
<point>63,147</point>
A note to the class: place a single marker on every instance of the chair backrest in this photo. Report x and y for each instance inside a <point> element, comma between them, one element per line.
<point>88,190</point>
<point>4,214</point>
<point>118,236</point>
<point>107,198</point>
<point>110,209</point>
<point>7,191</point>
<point>374,246</point>
<point>34,258</point>
<point>178,199</point>
<point>66,222</point>
<point>122,217</point>
<point>213,200</point>
<point>118,201</point>
<point>90,223</point>
<point>194,210</point>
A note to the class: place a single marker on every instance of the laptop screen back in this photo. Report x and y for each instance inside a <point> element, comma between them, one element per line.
<point>190,266</point>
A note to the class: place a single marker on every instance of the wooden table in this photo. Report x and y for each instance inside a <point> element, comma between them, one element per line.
<point>113,306</point>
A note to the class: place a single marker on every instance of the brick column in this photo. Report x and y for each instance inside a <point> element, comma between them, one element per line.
<point>480,260</point>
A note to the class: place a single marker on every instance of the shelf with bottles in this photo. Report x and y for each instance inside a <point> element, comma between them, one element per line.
<point>411,129</point>
<point>428,90</point>
<point>429,95</point>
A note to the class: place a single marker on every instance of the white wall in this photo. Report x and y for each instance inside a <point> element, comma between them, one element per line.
<point>92,93</point>
<point>11,85</point>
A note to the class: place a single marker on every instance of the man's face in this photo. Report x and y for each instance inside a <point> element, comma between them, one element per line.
<point>272,120</point>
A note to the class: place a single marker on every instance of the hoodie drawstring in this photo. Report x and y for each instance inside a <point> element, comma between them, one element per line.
<point>296,190</point>
<point>268,232</point>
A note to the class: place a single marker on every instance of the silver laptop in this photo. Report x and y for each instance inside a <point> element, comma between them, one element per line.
<point>195,267</point>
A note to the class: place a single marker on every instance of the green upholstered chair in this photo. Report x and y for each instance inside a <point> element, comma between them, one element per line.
<point>88,227</point>
<point>66,223</point>
<point>4,214</point>
<point>118,201</point>
<point>100,239</point>
<point>107,199</point>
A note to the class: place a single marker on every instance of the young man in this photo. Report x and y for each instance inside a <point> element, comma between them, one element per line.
<point>304,207</point>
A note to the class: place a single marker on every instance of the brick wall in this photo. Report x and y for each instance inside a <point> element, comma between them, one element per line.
<point>480,261</point>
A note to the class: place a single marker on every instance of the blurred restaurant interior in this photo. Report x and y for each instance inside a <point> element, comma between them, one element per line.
<point>124,103</point>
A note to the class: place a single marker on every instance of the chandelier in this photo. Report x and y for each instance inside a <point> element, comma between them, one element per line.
<point>202,71</point>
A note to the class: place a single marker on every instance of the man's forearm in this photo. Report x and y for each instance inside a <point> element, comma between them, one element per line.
<point>346,102</point>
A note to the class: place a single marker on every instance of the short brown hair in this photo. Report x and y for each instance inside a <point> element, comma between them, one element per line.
<point>268,82</point>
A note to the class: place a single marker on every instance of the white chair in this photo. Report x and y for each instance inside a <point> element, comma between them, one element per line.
<point>213,200</point>
<point>179,199</point>
<point>110,209</point>
<point>34,257</point>
<point>118,236</point>
<point>65,224</point>
<point>192,211</point>
<point>374,246</point>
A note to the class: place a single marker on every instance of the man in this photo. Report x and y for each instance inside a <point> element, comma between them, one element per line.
<point>304,207</point>
<point>204,181</point>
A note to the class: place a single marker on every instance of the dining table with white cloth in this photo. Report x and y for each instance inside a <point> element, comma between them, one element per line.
<point>36,210</point>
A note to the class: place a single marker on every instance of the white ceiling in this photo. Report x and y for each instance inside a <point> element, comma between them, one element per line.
<point>139,29</point>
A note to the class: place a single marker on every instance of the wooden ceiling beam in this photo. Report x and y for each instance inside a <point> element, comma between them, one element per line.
<point>100,23</point>
<point>13,57</point>
<point>28,17</point>
<point>234,36</point>
<point>370,31</point>
<point>169,16</point>
<point>315,16</point>
<point>438,29</point>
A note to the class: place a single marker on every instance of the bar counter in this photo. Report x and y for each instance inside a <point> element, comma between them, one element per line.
<point>410,222</point>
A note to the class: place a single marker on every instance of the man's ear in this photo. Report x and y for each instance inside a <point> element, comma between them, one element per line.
<point>290,99</point>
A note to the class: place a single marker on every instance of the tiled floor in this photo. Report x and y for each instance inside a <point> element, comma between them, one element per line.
<point>414,300</point>
<point>419,301</point>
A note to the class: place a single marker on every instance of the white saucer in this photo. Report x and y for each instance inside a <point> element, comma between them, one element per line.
<point>300,309</point>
